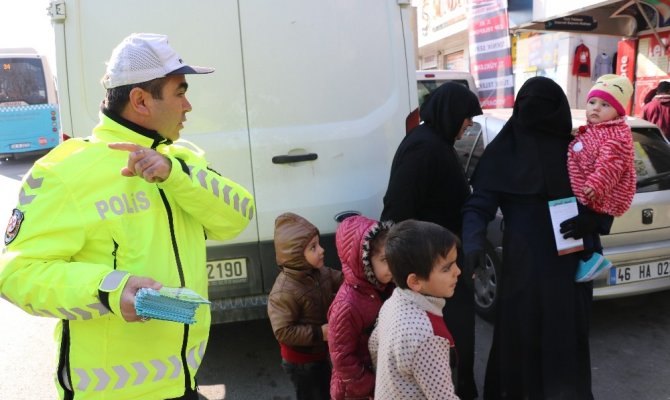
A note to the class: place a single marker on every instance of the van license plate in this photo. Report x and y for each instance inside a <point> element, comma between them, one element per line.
<point>227,272</point>
<point>640,272</point>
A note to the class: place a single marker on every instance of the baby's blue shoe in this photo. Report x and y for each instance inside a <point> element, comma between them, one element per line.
<point>590,269</point>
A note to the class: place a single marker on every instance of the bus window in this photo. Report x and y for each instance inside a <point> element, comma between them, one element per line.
<point>22,82</point>
<point>29,121</point>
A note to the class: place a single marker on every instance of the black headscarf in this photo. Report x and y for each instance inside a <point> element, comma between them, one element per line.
<point>447,107</point>
<point>529,155</point>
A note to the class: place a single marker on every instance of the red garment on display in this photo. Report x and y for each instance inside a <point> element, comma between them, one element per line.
<point>581,66</point>
<point>657,111</point>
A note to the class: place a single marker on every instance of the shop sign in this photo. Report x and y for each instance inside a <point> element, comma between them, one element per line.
<point>537,51</point>
<point>572,23</point>
<point>438,19</point>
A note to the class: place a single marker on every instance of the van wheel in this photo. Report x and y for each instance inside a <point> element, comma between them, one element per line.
<point>486,285</point>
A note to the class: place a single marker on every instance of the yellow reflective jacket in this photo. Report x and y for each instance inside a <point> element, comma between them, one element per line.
<point>81,229</point>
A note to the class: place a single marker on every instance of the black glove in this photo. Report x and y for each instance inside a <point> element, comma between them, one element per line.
<point>475,261</point>
<point>578,226</point>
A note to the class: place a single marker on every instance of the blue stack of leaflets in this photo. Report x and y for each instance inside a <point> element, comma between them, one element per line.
<point>168,304</point>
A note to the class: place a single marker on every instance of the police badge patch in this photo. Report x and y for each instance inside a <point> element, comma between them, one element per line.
<point>13,226</point>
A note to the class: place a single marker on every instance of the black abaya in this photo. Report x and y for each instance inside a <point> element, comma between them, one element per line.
<point>540,347</point>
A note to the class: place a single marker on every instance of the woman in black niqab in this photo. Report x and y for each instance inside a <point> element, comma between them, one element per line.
<point>540,346</point>
<point>427,181</point>
<point>529,155</point>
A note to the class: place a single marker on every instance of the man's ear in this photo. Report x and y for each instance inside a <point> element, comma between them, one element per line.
<point>414,282</point>
<point>138,100</point>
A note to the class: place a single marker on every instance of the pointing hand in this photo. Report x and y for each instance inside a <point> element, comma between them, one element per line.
<point>146,163</point>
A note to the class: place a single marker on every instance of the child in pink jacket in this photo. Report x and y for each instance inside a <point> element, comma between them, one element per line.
<point>360,245</point>
<point>601,166</point>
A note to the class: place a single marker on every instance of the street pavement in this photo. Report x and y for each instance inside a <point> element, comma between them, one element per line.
<point>28,355</point>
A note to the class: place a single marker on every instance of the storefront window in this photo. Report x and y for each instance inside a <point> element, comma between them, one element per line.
<point>455,61</point>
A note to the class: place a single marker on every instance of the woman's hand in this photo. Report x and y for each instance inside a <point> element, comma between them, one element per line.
<point>579,226</point>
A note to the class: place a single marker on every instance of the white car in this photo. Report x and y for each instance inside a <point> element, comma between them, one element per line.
<point>639,242</point>
<point>430,79</point>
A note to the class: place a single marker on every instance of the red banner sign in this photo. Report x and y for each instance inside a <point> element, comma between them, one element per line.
<point>490,52</point>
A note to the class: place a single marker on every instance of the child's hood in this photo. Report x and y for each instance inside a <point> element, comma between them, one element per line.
<point>292,234</point>
<point>353,239</point>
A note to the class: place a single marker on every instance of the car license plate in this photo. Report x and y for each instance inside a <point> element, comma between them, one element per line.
<point>227,272</point>
<point>16,146</point>
<point>640,272</point>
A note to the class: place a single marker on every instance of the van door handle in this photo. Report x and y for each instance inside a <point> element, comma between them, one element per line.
<point>286,159</point>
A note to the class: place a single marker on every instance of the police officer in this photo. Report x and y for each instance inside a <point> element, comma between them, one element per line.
<point>100,217</point>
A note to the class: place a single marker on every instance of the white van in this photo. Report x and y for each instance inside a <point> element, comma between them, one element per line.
<point>306,109</point>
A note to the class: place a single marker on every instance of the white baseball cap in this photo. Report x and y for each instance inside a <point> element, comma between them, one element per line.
<point>142,57</point>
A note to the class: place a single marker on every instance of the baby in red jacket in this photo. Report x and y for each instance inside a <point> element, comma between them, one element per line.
<point>601,163</point>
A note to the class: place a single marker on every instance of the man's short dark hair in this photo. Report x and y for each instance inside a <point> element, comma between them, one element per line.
<point>412,247</point>
<point>663,88</point>
<point>117,98</point>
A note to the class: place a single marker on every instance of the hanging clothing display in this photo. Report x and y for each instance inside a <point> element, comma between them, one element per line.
<point>602,65</point>
<point>581,66</point>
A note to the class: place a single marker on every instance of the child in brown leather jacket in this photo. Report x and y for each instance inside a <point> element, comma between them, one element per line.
<point>298,305</point>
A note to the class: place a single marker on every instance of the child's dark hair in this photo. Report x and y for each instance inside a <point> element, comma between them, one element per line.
<point>413,246</point>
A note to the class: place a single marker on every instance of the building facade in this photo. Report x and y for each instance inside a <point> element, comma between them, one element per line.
<point>571,41</point>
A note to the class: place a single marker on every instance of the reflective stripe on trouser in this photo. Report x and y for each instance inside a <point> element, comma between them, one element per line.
<point>134,373</point>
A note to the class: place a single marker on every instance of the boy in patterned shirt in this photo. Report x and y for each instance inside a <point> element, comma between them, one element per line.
<point>410,345</point>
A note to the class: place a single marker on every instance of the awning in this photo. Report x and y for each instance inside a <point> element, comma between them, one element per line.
<point>621,18</point>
